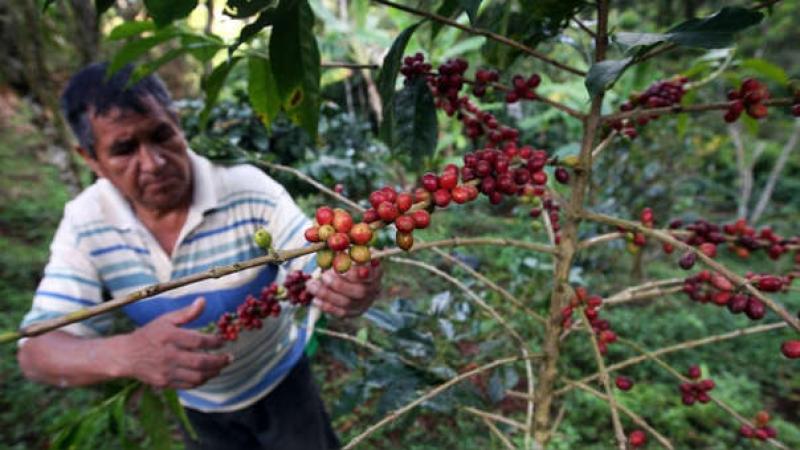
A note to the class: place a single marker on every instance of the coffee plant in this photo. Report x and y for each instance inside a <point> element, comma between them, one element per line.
<point>502,166</point>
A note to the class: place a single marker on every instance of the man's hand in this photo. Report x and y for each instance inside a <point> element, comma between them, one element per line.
<point>164,355</point>
<point>346,295</point>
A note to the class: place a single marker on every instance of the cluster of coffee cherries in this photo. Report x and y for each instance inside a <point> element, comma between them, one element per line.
<point>251,313</point>
<point>637,240</point>
<point>390,206</point>
<point>660,94</point>
<point>414,66</point>
<point>749,98</point>
<point>762,431</point>
<point>483,79</point>
<point>713,287</point>
<point>347,243</point>
<point>637,438</point>
<point>696,391</point>
<point>747,239</point>
<point>590,304</point>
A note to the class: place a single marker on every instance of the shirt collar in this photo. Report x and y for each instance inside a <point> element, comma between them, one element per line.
<point>118,211</point>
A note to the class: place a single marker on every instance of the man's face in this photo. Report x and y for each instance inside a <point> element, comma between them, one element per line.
<point>143,155</point>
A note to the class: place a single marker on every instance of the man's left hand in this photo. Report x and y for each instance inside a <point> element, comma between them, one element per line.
<point>346,295</point>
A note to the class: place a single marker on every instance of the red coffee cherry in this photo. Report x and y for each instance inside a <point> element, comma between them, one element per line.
<point>370,215</point>
<point>448,180</point>
<point>362,272</point>
<point>687,260</point>
<point>338,242</point>
<point>637,438</point>
<point>312,234</point>
<point>361,234</point>
<point>441,198</point>
<point>693,372</point>
<point>421,219</point>
<point>376,198</point>
<point>460,194</point>
<point>624,383</point>
<point>387,211</point>
<point>342,221</point>
<point>430,182</point>
<point>562,175</point>
<point>791,349</point>
<point>404,202</point>
<point>324,215</point>
<point>405,224</point>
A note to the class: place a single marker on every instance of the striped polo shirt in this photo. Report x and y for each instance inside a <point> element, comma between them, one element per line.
<point>102,249</point>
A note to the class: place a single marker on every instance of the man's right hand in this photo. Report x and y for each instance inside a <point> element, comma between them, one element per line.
<point>164,355</point>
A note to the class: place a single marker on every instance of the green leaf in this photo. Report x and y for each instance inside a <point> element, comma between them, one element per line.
<point>387,78</point>
<point>202,46</point>
<point>138,47</point>
<point>46,4</point>
<point>715,31</point>
<point>471,7</point>
<point>415,115</point>
<point>264,20</point>
<point>132,28</point>
<point>602,75</point>
<point>631,40</point>
<point>766,69</point>
<point>262,90</point>
<point>362,335</point>
<point>174,405</point>
<point>240,9</point>
<point>149,67</point>
<point>295,62</point>
<point>213,85</point>
<point>154,424</point>
<point>101,6</point>
<point>165,12</point>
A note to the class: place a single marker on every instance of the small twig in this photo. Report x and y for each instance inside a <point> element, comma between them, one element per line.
<point>594,240</point>
<point>633,416</point>
<point>734,277</point>
<point>370,346</point>
<point>619,432</point>
<point>499,434</point>
<point>677,109</point>
<point>457,242</point>
<point>321,187</point>
<point>488,34</point>
<point>584,27</point>
<point>713,75</point>
<point>683,379</point>
<point>347,65</point>
<point>604,143</point>
<point>495,417</point>
<point>559,418</point>
<point>681,346</point>
<point>394,415</point>
<point>523,346</point>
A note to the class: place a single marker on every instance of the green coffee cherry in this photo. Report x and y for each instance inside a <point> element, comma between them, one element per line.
<point>263,238</point>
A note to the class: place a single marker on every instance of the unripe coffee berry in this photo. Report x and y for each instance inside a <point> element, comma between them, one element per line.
<point>325,258</point>
<point>342,262</point>
<point>325,232</point>
<point>360,254</point>
<point>263,238</point>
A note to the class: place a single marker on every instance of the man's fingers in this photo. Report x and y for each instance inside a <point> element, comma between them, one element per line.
<point>187,314</point>
<point>342,285</point>
<point>186,379</point>
<point>195,340</point>
<point>208,363</point>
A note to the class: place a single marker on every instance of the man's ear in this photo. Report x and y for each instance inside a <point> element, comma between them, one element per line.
<point>90,160</point>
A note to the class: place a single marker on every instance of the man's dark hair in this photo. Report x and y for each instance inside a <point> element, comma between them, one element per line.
<point>91,91</point>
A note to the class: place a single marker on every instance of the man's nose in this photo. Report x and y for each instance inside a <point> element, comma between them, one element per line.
<point>150,158</point>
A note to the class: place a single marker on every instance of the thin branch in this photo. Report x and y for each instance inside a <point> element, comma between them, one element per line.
<point>604,143</point>
<point>599,239</point>
<point>498,433</point>
<point>321,187</point>
<point>366,344</point>
<point>619,432</point>
<point>523,346</point>
<point>488,34</point>
<point>394,415</point>
<point>766,194</point>
<point>745,169</point>
<point>584,27</point>
<point>347,65</point>
<point>683,379</point>
<point>494,417</point>
<point>457,242</point>
<point>559,417</point>
<point>682,346</point>
<point>677,109</point>
<point>633,416</point>
<point>734,277</point>
<point>713,75</point>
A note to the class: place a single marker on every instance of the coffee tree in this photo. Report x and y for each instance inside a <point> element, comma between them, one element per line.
<point>500,167</point>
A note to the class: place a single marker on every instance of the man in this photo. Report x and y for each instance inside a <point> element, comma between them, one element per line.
<point>159,212</point>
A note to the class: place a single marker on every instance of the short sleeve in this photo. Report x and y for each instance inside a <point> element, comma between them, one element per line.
<point>70,283</point>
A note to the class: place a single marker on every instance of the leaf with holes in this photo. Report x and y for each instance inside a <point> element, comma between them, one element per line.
<point>295,62</point>
<point>262,90</point>
<point>387,79</point>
